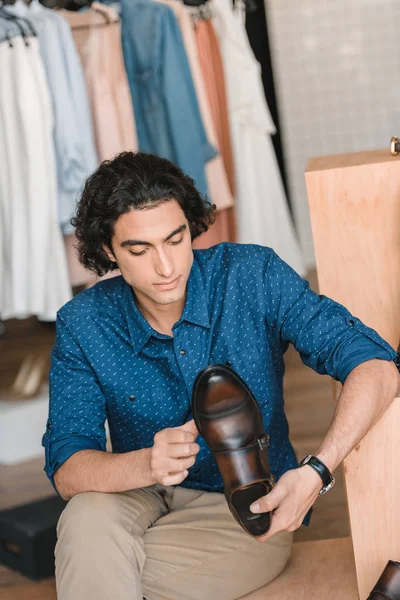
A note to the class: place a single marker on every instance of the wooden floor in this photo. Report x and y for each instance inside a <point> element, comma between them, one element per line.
<point>309,408</point>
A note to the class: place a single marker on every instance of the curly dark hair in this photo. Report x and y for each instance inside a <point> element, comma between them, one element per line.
<point>132,180</point>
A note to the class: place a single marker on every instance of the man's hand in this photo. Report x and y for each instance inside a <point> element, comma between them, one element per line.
<point>291,498</point>
<point>173,452</point>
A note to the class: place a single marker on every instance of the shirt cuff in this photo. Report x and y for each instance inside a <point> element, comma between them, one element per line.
<point>57,451</point>
<point>367,345</point>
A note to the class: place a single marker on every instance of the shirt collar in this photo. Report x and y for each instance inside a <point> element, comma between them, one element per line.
<point>195,311</point>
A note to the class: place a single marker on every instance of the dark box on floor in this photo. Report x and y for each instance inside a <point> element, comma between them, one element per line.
<point>28,537</point>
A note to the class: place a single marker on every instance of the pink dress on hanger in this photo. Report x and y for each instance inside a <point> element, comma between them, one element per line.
<point>107,83</point>
<point>97,34</point>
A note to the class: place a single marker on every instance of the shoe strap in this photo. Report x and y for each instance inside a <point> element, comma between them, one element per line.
<point>240,457</point>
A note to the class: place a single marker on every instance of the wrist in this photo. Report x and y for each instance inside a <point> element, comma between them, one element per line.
<point>329,459</point>
<point>310,477</point>
<point>147,457</point>
<point>327,480</point>
<point>139,465</point>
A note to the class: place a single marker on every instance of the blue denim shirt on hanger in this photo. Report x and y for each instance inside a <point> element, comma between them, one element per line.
<point>243,305</point>
<point>167,113</point>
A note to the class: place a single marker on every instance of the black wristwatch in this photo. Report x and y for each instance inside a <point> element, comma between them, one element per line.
<point>327,478</point>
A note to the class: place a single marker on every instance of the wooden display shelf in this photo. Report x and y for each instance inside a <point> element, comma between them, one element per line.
<point>354,202</point>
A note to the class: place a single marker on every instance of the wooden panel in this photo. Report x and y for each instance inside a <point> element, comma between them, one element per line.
<point>355,218</point>
<point>354,159</point>
<point>320,569</point>
<point>373,492</point>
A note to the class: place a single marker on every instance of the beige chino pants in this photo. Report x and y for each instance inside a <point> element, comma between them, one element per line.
<point>161,543</point>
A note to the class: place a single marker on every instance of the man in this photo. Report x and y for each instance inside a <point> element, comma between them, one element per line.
<point>149,518</point>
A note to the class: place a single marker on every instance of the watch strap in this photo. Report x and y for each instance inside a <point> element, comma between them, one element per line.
<point>320,468</point>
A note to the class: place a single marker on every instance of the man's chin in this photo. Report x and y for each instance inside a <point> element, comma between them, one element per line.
<point>167,297</point>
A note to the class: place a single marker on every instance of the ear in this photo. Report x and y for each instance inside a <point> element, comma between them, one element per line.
<point>110,254</point>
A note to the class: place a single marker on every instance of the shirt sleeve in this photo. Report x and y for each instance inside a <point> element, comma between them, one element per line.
<point>327,336</point>
<point>77,411</point>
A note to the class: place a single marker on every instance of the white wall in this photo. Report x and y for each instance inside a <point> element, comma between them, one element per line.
<point>337,74</point>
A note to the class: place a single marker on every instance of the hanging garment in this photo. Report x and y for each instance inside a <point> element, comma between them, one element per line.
<point>219,192</point>
<point>214,77</point>
<point>97,34</point>
<point>168,119</point>
<point>82,115</point>
<point>220,231</point>
<point>78,275</point>
<point>75,154</point>
<point>224,228</point>
<point>106,79</point>
<point>257,33</point>
<point>73,139</point>
<point>261,208</point>
<point>11,28</point>
<point>34,270</point>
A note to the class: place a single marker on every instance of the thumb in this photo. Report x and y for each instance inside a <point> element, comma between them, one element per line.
<point>190,427</point>
<point>269,502</point>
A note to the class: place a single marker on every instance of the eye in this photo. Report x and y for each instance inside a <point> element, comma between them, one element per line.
<point>177,242</point>
<point>137,253</point>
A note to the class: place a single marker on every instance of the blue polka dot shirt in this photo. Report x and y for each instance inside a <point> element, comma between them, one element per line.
<point>243,305</point>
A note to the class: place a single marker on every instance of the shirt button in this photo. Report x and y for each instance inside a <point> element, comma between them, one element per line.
<point>351,322</point>
<point>196,470</point>
<point>48,425</point>
<point>182,352</point>
<point>132,398</point>
<point>228,363</point>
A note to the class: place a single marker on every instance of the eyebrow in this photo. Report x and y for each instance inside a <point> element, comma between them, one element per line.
<point>142,243</point>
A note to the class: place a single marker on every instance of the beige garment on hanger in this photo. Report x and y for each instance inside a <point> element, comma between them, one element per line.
<point>101,54</point>
<point>215,171</point>
<point>97,35</point>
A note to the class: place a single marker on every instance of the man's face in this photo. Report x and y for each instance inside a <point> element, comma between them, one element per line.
<point>153,250</point>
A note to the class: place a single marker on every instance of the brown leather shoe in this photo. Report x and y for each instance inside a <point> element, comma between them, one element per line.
<point>388,584</point>
<point>229,419</point>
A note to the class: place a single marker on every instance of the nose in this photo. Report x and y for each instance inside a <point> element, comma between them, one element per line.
<point>163,264</point>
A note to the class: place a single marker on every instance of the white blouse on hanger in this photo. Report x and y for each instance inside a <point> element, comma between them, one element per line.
<point>262,212</point>
<point>32,257</point>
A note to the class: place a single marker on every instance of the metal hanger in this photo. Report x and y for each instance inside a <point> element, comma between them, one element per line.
<point>17,20</point>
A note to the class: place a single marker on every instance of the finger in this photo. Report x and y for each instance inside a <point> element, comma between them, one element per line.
<point>270,501</point>
<point>174,479</point>
<point>277,524</point>
<point>183,450</point>
<point>175,435</point>
<point>176,465</point>
<point>190,427</point>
